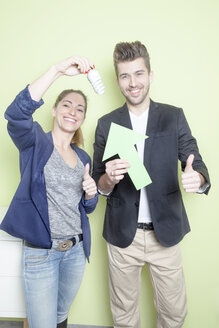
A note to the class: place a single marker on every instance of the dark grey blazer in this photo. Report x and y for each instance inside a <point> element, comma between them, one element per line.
<point>169,139</point>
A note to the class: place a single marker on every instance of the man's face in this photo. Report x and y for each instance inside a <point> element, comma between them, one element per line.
<point>134,81</point>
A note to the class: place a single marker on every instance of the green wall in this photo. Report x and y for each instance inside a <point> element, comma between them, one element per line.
<point>182,38</point>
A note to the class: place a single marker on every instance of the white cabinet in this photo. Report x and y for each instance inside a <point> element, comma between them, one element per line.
<point>12,303</point>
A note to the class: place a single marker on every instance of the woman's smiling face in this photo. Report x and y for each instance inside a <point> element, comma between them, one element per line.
<point>69,114</point>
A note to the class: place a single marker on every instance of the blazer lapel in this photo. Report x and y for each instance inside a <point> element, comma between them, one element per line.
<point>124,117</point>
<point>152,125</point>
<point>38,188</point>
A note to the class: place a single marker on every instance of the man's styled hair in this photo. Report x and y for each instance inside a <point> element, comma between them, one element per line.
<point>129,51</point>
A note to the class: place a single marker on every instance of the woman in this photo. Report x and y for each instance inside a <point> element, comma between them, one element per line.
<point>49,209</point>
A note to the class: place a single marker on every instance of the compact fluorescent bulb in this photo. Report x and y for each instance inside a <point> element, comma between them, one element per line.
<point>95,79</point>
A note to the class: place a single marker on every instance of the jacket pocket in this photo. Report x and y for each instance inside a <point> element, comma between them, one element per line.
<point>35,256</point>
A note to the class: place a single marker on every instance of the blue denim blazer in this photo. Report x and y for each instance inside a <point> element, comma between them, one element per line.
<point>27,216</point>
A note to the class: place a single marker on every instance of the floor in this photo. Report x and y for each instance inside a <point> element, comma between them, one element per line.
<point>16,324</point>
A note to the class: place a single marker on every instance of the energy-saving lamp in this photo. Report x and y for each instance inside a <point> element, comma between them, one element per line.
<point>96,82</point>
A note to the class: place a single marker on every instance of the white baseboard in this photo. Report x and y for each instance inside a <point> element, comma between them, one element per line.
<point>19,324</point>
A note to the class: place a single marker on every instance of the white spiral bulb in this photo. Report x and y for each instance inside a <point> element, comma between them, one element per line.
<point>95,79</point>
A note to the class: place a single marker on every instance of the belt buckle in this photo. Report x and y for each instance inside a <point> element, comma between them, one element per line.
<point>64,245</point>
<point>145,226</point>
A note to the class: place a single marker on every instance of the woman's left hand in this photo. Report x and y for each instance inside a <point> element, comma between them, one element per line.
<point>74,65</point>
<point>88,184</point>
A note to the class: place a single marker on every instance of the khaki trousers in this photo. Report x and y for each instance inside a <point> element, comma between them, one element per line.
<point>165,267</point>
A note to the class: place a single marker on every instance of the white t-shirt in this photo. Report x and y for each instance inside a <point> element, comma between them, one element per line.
<point>139,124</point>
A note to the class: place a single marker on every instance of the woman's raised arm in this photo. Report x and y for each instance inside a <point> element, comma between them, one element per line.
<point>71,66</point>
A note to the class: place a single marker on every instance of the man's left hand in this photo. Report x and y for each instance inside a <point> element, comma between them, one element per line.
<point>191,179</point>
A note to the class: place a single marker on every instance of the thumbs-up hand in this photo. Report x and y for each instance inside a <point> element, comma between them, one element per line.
<point>189,163</point>
<point>88,184</point>
<point>191,179</point>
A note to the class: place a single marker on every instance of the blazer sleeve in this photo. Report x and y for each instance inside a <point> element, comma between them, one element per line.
<point>20,122</point>
<point>89,205</point>
<point>99,146</point>
<point>187,145</point>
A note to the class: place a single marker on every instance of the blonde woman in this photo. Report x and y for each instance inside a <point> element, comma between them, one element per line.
<point>56,192</point>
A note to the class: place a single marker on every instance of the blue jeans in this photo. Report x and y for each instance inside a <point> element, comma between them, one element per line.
<point>51,280</point>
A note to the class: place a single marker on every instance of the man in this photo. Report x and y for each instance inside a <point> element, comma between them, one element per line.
<point>146,226</point>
